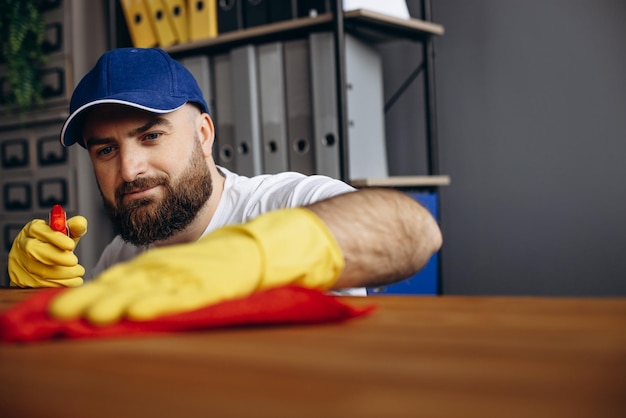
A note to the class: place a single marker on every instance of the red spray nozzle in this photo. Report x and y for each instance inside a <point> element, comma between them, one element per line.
<point>58,219</point>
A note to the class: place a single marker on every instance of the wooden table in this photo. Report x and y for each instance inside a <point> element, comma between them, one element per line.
<point>414,356</point>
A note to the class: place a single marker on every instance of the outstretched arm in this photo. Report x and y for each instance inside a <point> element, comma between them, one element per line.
<point>380,236</point>
<point>385,235</point>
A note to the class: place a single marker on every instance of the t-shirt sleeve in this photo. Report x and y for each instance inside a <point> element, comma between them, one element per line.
<point>245,198</point>
<point>293,190</point>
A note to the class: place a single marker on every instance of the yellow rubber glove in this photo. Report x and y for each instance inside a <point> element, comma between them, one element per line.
<point>42,257</point>
<point>289,246</point>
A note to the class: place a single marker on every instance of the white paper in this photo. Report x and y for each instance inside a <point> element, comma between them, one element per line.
<point>396,8</point>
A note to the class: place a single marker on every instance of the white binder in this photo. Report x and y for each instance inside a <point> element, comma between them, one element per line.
<point>272,106</point>
<point>299,112</point>
<point>365,108</point>
<point>247,128</point>
<point>324,95</point>
<point>200,67</point>
<point>223,113</point>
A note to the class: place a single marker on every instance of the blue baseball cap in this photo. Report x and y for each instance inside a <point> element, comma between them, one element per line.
<point>145,78</point>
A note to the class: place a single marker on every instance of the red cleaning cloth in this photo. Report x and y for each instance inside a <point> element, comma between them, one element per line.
<point>29,321</point>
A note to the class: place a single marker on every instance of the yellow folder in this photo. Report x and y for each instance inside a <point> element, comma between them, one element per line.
<point>161,25</point>
<point>202,19</point>
<point>177,13</point>
<point>138,22</point>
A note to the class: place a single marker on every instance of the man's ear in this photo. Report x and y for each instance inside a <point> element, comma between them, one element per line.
<point>206,131</point>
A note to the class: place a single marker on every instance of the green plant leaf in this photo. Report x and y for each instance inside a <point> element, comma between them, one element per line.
<point>22,34</point>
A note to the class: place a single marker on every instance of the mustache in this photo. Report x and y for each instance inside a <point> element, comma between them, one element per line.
<point>138,184</point>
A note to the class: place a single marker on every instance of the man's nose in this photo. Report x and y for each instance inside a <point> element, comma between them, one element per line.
<point>133,163</point>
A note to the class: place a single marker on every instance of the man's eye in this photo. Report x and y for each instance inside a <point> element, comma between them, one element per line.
<point>105,151</point>
<point>152,136</point>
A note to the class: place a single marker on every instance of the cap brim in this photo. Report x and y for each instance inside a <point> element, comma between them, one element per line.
<point>71,132</point>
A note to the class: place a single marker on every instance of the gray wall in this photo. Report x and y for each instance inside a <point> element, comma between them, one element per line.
<point>531,101</point>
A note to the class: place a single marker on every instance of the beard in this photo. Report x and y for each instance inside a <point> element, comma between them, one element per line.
<point>148,220</point>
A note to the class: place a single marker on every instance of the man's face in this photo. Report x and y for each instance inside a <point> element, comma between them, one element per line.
<point>151,170</point>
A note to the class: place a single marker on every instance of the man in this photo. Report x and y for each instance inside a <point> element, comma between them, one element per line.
<point>192,233</point>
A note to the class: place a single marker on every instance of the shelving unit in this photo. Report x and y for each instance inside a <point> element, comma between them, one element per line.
<point>371,26</point>
<point>368,25</point>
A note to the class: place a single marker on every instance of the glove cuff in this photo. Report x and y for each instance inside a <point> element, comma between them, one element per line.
<point>296,248</point>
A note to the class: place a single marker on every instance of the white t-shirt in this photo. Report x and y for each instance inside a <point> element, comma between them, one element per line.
<point>243,199</point>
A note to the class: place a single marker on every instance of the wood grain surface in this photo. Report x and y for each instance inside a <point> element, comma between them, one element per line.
<point>413,357</point>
